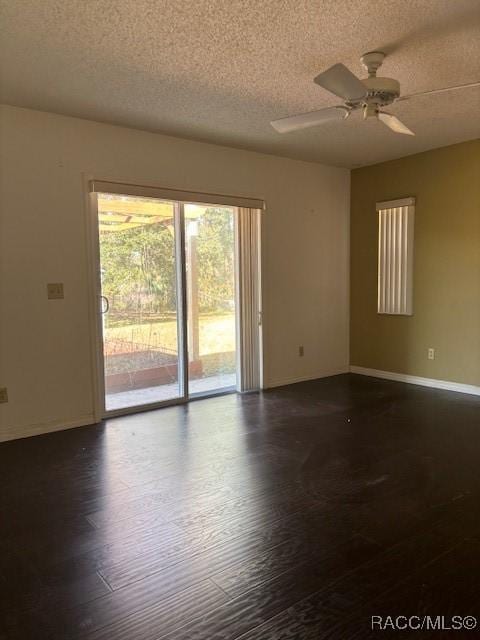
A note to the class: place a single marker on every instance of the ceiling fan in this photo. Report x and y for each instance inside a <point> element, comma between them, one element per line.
<point>370,94</point>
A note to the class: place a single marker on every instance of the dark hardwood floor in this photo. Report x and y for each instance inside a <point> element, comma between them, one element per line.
<point>297,513</point>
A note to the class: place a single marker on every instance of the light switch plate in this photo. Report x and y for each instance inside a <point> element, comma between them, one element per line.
<point>55,290</point>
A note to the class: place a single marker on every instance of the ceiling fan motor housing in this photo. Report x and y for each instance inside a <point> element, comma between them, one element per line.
<point>381,91</point>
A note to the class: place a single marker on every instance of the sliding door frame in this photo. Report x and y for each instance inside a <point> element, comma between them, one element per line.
<point>182,313</point>
<point>95,291</point>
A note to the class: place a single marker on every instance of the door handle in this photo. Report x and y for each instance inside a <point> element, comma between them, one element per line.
<point>105,304</point>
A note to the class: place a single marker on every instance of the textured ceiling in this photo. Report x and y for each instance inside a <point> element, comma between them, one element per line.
<point>220,70</point>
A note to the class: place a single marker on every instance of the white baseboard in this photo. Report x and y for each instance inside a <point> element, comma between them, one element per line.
<point>282,382</point>
<point>423,382</point>
<point>40,428</point>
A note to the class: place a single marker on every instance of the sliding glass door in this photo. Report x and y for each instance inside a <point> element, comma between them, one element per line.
<point>211,304</point>
<point>168,304</point>
<point>139,300</point>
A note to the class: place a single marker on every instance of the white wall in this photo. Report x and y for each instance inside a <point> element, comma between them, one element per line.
<point>45,346</point>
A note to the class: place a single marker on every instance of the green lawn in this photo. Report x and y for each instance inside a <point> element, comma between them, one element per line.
<point>217,333</point>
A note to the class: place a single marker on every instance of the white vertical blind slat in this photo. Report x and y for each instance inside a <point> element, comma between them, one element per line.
<point>398,262</point>
<point>404,262</point>
<point>380,263</point>
<point>385,244</point>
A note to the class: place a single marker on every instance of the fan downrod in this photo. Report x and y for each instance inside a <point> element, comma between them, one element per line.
<point>372,60</point>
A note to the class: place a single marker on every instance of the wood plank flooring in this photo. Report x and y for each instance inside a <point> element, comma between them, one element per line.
<point>297,513</point>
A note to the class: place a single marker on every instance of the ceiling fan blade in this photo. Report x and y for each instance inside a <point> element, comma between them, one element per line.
<point>310,119</point>
<point>432,91</point>
<point>394,123</point>
<point>342,82</point>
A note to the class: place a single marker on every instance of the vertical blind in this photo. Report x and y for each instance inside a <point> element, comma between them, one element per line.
<point>248,251</point>
<point>395,256</point>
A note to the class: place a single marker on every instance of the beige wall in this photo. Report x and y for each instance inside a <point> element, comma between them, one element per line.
<point>45,346</point>
<point>446,184</point>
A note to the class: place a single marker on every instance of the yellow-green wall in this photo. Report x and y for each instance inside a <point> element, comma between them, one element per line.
<point>446,294</point>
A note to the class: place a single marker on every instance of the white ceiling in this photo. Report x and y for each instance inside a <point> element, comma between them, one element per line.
<point>220,70</point>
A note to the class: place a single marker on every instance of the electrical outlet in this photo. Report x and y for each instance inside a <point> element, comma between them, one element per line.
<point>55,290</point>
<point>431,354</point>
<point>300,351</point>
<point>3,395</point>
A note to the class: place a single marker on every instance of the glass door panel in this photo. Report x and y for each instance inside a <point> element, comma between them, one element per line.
<point>140,319</point>
<point>211,314</point>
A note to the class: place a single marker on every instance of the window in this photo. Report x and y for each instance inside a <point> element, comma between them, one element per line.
<point>395,256</point>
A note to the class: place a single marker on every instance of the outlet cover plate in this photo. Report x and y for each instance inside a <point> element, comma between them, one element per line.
<point>55,290</point>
